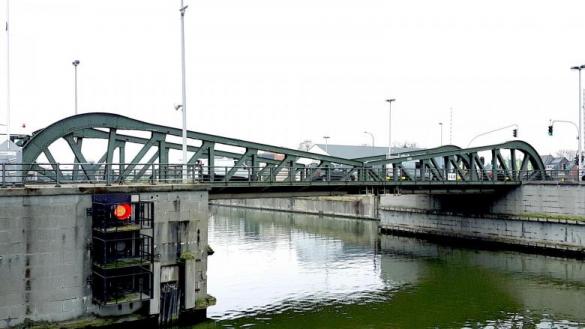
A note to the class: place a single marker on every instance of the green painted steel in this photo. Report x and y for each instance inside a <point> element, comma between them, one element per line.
<point>435,165</point>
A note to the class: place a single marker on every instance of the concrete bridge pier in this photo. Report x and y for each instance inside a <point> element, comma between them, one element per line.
<point>46,265</point>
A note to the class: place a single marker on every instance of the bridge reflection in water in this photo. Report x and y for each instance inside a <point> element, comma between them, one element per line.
<point>290,271</point>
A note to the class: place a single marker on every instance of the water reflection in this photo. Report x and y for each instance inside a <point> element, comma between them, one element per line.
<point>286,270</point>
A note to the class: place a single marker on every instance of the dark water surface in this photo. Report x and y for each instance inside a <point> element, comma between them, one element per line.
<point>280,270</point>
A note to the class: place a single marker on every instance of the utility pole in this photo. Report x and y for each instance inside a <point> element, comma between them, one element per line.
<point>184,91</point>
<point>326,144</point>
<point>8,73</point>
<point>451,126</point>
<point>75,63</point>
<point>390,100</point>
<point>579,68</point>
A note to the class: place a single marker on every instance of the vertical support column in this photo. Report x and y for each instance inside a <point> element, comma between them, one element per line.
<point>473,168</point>
<point>57,175</point>
<point>110,155</point>
<point>122,156</point>
<point>211,162</point>
<point>395,175</point>
<point>446,167</point>
<point>254,174</point>
<point>190,279</point>
<point>75,174</point>
<point>494,166</point>
<point>3,175</point>
<point>154,307</point>
<point>423,169</point>
<point>163,160</point>
<point>513,165</point>
<point>291,171</point>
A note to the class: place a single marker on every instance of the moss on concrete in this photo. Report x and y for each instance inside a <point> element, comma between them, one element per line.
<point>530,215</point>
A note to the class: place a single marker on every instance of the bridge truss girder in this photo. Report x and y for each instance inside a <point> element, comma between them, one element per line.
<point>288,166</point>
<point>106,126</point>
<point>466,164</point>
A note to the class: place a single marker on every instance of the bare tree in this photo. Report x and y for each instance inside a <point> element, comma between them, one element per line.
<point>569,154</point>
<point>305,145</point>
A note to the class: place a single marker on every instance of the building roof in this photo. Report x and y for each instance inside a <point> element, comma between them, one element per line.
<point>360,151</point>
<point>547,159</point>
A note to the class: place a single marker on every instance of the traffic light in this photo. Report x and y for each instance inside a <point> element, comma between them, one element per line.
<point>550,130</point>
<point>515,133</point>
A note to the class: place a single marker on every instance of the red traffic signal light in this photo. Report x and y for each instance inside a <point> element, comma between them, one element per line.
<point>122,211</point>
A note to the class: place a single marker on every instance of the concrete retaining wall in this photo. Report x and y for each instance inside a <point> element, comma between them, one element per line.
<point>354,206</point>
<point>547,216</point>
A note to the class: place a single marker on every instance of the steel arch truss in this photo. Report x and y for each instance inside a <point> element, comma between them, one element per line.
<point>258,162</point>
<point>221,159</point>
<point>510,161</point>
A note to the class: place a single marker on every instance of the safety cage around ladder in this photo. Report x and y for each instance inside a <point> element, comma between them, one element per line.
<point>122,248</point>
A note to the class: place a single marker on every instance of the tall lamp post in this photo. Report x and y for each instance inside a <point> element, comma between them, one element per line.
<point>441,126</point>
<point>184,90</point>
<point>75,63</point>
<point>373,141</point>
<point>326,144</point>
<point>514,132</point>
<point>579,68</point>
<point>7,74</point>
<point>390,100</point>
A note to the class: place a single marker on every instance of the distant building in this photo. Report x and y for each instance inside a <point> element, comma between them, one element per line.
<point>10,160</point>
<point>556,163</point>
<point>356,151</point>
<point>559,167</point>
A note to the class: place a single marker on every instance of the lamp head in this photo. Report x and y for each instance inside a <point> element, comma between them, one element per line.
<point>390,100</point>
<point>577,67</point>
<point>76,62</point>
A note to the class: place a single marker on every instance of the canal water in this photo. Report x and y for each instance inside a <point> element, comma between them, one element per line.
<point>282,270</point>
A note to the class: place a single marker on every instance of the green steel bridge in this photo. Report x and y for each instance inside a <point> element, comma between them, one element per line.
<point>134,151</point>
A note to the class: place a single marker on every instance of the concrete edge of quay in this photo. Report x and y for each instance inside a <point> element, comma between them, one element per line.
<point>312,213</point>
<point>347,206</point>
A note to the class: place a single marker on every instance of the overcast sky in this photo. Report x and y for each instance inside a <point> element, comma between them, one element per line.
<point>280,72</point>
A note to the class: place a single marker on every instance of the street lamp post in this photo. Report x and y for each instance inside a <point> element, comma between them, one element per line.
<point>390,100</point>
<point>184,91</point>
<point>326,144</point>
<point>75,63</point>
<point>7,73</point>
<point>492,131</point>
<point>441,125</point>
<point>373,141</point>
<point>580,135</point>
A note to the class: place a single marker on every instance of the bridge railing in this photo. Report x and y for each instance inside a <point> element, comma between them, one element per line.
<point>125,173</point>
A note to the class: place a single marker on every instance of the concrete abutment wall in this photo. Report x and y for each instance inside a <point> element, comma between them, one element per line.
<point>539,215</point>
<point>45,252</point>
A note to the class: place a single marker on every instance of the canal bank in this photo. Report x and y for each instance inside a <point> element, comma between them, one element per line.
<point>347,206</point>
<point>539,216</point>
